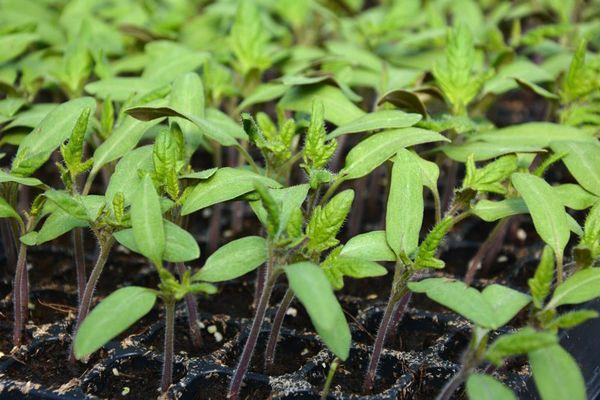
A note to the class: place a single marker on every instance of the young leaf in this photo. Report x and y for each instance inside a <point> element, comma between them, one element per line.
<point>6,177</point>
<point>370,246</point>
<point>147,222</point>
<point>383,119</point>
<point>187,95</point>
<point>582,161</point>
<point>426,254</point>
<point>489,210</point>
<point>113,315</point>
<point>233,260</point>
<point>126,178</point>
<point>312,288</point>
<point>490,177</point>
<point>556,374</point>
<point>404,214</point>
<point>376,149</point>
<point>317,151</point>
<point>571,319</point>
<point>336,267</point>
<point>69,204</point>
<point>580,287</point>
<point>574,196</point>
<point>290,200</point>
<point>35,149</point>
<point>492,308</point>
<point>72,152</point>
<point>540,284</point>
<point>520,342</point>
<point>485,387</point>
<point>180,245</point>
<point>326,221</point>
<point>226,184</point>
<point>548,214</point>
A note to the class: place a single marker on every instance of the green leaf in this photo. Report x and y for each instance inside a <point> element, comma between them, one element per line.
<point>376,149</point>
<point>535,134</point>
<point>263,93</point>
<point>338,109</point>
<point>121,88</point>
<point>13,45</point>
<point>311,287</point>
<point>7,177</point>
<point>582,161</point>
<point>187,95</point>
<point>571,319</point>
<point>336,267</point>
<point>326,221</point>
<point>490,178</point>
<point>582,286</point>
<point>404,215</point>
<point>226,184</point>
<point>6,211</point>
<point>123,139</point>
<point>317,150</point>
<point>249,39</point>
<point>485,387</point>
<point>548,214</point>
<point>535,88</point>
<point>489,210</point>
<point>207,127</point>
<point>430,172</point>
<point>289,200</point>
<point>233,260</point>
<point>540,284</point>
<point>180,245</point>
<point>126,179</point>
<point>370,246</point>
<point>377,120</point>
<point>483,151</point>
<point>147,222</point>
<point>35,149</point>
<point>523,69</point>
<point>69,204</point>
<point>113,315</point>
<point>492,308</point>
<point>454,74</point>
<point>556,374</point>
<point>520,342</point>
<point>426,254</point>
<point>574,196</point>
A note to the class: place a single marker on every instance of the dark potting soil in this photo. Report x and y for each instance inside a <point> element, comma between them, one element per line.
<point>213,386</point>
<point>291,354</point>
<point>211,342</point>
<point>350,375</point>
<point>233,299</point>
<point>133,377</point>
<point>48,365</point>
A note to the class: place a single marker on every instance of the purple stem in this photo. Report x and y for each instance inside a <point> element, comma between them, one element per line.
<point>167,368</point>
<point>192,312</point>
<point>276,328</point>
<point>79,255</point>
<point>19,301</point>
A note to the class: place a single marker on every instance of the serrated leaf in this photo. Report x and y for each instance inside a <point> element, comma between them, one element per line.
<point>35,149</point>
<point>113,315</point>
<point>233,260</point>
<point>327,220</point>
<point>378,148</point>
<point>404,215</point>
<point>540,284</point>
<point>226,184</point>
<point>311,287</point>
<point>571,319</point>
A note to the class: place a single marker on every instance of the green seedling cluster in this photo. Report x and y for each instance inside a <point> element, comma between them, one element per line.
<point>130,121</point>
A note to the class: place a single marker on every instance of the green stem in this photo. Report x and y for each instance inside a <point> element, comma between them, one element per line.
<point>329,380</point>
<point>331,190</point>
<point>248,158</point>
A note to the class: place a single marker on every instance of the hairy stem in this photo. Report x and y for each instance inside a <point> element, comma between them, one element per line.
<point>19,301</point>
<point>559,267</point>
<point>329,380</point>
<point>167,368</point>
<point>276,328</point>
<point>79,255</point>
<point>379,343</point>
<point>261,278</point>
<point>453,384</point>
<point>399,311</point>
<point>90,287</point>
<point>192,312</point>
<point>242,367</point>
